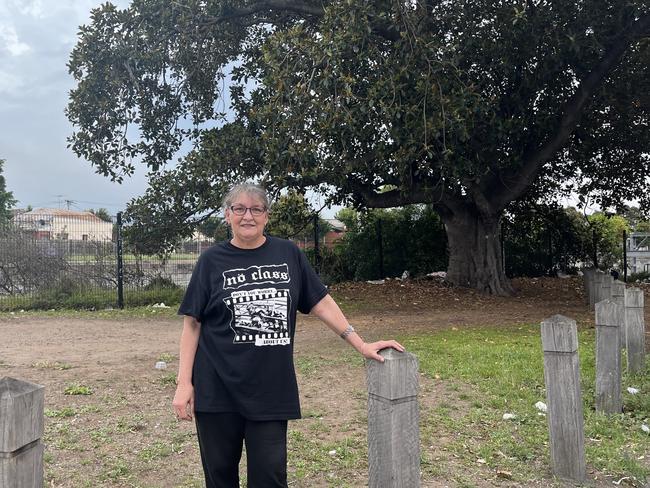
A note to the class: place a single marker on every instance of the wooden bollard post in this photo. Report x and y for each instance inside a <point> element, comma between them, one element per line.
<point>588,278</point>
<point>21,429</point>
<point>609,316</point>
<point>393,431</point>
<point>606,288</point>
<point>618,296</point>
<point>594,295</point>
<point>563,397</point>
<point>634,329</point>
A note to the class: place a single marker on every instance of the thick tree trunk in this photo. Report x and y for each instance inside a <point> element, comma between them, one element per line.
<point>475,258</point>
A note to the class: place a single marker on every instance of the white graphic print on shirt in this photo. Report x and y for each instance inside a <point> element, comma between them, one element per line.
<point>259,316</point>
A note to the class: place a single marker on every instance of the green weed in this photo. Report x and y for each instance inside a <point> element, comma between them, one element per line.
<point>76,389</point>
<point>61,413</point>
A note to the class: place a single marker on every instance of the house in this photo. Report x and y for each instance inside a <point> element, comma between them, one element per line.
<point>62,224</point>
<point>638,252</point>
<point>336,232</point>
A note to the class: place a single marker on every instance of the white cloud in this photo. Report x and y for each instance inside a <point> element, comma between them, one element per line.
<point>33,8</point>
<point>10,42</point>
<point>9,83</point>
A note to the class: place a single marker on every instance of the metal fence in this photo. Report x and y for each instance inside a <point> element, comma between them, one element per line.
<point>75,259</point>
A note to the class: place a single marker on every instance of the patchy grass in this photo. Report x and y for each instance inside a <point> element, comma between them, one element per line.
<point>168,379</point>
<point>61,413</point>
<point>505,370</point>
<point>167,357</point>
<point>76,389</point>
<point>55,365</point>
<point>134,312</point>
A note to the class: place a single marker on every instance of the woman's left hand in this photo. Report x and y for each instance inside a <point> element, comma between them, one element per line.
<point>371,350</point>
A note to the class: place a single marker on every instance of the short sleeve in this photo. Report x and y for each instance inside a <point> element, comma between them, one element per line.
<point>198,292</point>
<point>312,290</point>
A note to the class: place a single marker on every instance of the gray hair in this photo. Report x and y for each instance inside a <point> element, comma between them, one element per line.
<point>256,191</point>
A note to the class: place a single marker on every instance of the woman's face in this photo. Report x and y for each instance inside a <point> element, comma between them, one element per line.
<point>247,229</point>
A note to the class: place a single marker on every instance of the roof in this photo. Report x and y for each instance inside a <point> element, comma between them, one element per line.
<point>39,213</point>
<point>336,224</point>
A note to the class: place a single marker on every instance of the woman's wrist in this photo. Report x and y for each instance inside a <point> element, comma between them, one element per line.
<point>349,330</point>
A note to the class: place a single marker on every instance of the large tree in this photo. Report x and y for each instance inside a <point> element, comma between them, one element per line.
<point>465,105</point>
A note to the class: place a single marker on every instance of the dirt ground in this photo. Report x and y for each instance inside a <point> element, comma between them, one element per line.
<point>124,433</point>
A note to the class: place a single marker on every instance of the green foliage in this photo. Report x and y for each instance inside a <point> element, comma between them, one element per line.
<point>608,230</point>
<point>160,282</point>
<point>214,228</point>
<point>463,105</point>
<point>642,276</point>
<point>91,299</point>
<point>76,389</point>
<point>7,200</point>
<point>102,213</point>
<point>293,217</point>
<point>61,413</point>
<point>412,239</point>
<point>544,239</point>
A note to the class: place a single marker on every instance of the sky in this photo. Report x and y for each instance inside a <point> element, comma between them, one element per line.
<point>36,38</point>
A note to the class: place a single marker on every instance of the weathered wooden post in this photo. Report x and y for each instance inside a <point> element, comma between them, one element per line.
<point>595,294</point>
<point>634,329</point>
<point>609,316</point>
<point>393,431</point>
<point>563,397</point>
<point>21,428</point>
<point>588,278</point>
<point>618,296</point>
<point>606,287</point>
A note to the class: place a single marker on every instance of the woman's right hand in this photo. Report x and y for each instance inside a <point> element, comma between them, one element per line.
<point>183,402</point>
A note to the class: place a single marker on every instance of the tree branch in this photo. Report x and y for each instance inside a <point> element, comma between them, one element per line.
<point>508,186</point>
<point>291,6</point>
<point>266,5</point>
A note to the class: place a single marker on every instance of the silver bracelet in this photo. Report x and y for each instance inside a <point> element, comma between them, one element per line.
<point>347,331</point>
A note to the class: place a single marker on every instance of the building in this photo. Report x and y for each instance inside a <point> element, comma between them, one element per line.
<point>638,252</point>
<point>336,232</point>
<point>61,224</point>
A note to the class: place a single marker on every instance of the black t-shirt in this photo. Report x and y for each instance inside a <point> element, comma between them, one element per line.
<point>246,301</point>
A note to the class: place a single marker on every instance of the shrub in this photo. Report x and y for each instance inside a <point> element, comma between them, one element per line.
<point>643,276</point>
<point>160,282</point>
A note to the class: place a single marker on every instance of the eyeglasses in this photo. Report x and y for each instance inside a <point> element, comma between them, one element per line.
<point>241,210</point>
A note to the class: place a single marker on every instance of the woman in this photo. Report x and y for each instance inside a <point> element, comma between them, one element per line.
<point>236,373</point>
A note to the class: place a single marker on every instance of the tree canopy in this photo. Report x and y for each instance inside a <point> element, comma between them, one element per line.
<point>464,105</point>
<point>7,200</point>
<point>101,213</point>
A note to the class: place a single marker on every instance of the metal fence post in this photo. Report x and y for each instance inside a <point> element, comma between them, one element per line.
<point>564,397</point>
<point>625,256</point>
<point>380,249</point>
<point>317,260</point>
<point>120,264</point>
<point>393,430</point>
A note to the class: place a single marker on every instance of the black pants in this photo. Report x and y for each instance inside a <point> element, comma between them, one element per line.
<point>221,436</point>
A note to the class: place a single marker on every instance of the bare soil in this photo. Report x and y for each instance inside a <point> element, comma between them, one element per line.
<point>124,433</point>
